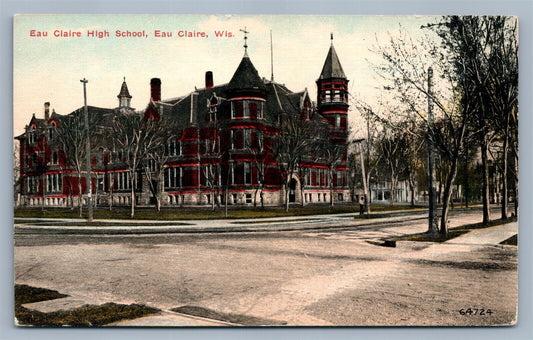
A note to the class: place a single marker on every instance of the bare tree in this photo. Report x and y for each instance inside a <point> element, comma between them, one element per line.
<point>393,146</point>
<point>293,141</point>
<point>71,139</point>
<point>138,138</point>
<point>485,57</point>
<point>405,72</point>
<point>330,152</point>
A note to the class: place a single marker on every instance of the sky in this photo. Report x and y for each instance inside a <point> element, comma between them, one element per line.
<point>49,69</point>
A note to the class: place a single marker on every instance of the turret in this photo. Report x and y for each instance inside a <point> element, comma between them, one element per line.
<point>332,91</point>
<point>124,97</point>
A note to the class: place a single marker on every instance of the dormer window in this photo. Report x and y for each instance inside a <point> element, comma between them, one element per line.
<point>52,131</point>
<point>213,108</point>
<point>213,114</point>
<point>31,135</point>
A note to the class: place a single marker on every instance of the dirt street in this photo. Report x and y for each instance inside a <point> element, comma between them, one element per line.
<point>299,277</point>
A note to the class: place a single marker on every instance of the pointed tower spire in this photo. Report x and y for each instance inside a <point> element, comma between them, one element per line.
<point>124,97</point>
<point>332,66</point>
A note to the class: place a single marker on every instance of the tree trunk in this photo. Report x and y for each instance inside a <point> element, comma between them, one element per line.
<point>467,184</point>
<point>302,193</point>
<point>412,189</point>
<point>80,195</point>
<point>287,188</point>
<point>331,199</point>
<point>485,188</point>
<point>505,189</point>
<point>256,191</point>
<point>132,183</point>
<point>394,183</point>
<point>446,197</point>
<point>111,189</point>
<point>43,180</point>
<point>70,196</point>
<point>516,185</point>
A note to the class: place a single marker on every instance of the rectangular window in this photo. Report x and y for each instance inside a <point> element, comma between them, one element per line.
<point>248,198</point>
<point>246,111</point>
<point>259,140</point>
<point>100,183</point>
<point>232,170</point>
<point>339,178</point>
<point>252,107</point>
<point>237,109</point>
<point>246,138</point>
<point>247,174</point>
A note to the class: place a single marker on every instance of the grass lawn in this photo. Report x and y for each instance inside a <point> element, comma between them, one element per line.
<point>455,232</point>
<point>79,317</point>
<point>196,213</point>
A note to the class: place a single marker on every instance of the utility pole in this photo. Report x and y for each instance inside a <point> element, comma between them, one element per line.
<point>363,174</point>
<point>88,182</point>
<point>432,218</point>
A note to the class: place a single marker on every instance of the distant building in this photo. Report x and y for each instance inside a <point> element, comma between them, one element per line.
<point>229,127</point>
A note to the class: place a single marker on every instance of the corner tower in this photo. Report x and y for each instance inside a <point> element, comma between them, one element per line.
<point>332,93</point>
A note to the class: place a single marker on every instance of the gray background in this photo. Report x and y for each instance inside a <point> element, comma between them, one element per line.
<point>521,8</point>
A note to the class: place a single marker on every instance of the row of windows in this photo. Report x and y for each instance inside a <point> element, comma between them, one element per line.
<point>123,180</point>
<point>334,96</point>
<point>54,183</point>
<point>321,197</point>
<point>247,109</point>
<point>320,178</point>
<point>246,139</point>
<point>32,185</point>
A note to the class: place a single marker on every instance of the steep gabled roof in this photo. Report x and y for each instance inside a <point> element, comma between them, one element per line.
<point>178,110</point>
<point>332,66</point>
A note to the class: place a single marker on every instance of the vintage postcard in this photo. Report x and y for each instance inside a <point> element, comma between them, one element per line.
<point>256,170</point>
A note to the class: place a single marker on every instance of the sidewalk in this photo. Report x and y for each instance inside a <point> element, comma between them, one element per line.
<point>487,236</point>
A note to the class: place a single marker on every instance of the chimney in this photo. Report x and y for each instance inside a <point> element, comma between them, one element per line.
<point>46,110</point>
<point>155,88</point>
<point>194,107</point>
<point>208,80</point>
